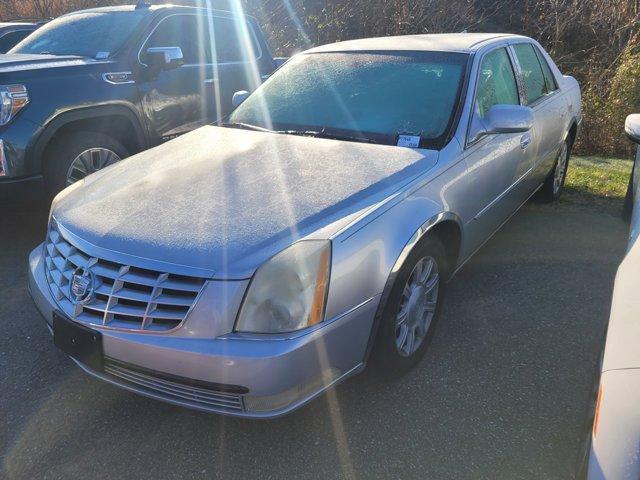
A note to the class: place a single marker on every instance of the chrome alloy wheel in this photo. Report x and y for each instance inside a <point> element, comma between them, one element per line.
<point>417,306</point>
<point>90,161</point>
<point>561,168</point>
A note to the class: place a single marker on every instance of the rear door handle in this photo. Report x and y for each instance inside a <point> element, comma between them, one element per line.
<point>525,141</point>
<point>209,81</point>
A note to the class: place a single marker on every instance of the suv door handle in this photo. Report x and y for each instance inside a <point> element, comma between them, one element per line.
<point>525,141</point>
<point>209,81</point>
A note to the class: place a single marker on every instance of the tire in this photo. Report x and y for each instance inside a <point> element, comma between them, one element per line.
<point>554,184</point>
<point>65,150</point>
<point>388,358</point>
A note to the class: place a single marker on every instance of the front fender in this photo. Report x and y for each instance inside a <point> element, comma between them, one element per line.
<point>365,261</point>
<point>58,120</point>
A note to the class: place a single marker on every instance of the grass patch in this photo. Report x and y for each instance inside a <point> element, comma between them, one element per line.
<point>597,181</point>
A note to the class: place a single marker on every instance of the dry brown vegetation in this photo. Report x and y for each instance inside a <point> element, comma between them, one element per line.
<point>597,41</point>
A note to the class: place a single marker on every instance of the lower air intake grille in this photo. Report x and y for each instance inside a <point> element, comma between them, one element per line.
<point>173,390</point>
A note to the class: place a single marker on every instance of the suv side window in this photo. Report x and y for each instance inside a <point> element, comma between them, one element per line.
<point>534,81</point>
<point>231,46</point>
<point>550,80</point>
<point>189,32</point>
<point>496,82</point>
<point>192,34</point>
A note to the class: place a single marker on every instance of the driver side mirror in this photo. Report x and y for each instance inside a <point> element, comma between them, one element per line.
<point>164,58</point>
<point>632,127</point>
<point>502,119</point>
<point>239,97</point>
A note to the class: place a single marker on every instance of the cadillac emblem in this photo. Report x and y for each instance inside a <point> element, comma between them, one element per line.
<point>81,286</point>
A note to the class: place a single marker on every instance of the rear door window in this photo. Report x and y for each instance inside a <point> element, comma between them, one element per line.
<point>534,82</point>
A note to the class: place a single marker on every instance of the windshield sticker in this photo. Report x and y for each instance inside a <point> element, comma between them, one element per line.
<point>411,141</point>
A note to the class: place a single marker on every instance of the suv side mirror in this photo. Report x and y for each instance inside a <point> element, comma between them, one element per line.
<point>239,97</point>
<point>164,58</point>
<point>502,119</point>
<point>632,127</point>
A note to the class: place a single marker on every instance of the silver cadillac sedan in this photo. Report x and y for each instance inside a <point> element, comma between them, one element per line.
<point>247,267</point>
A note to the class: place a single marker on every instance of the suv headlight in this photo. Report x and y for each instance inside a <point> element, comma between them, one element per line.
<point>289,291</point>
<point>13,98</point>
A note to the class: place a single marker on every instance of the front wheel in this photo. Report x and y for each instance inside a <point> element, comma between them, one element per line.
<point>554,184</point>
<point>72,157</point>
<point>412,309</point>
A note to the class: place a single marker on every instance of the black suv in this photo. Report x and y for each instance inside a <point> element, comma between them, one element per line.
<point>92,87</point>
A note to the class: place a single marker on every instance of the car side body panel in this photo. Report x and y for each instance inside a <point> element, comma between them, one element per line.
<point>614,442</point>
<point>366,252</point>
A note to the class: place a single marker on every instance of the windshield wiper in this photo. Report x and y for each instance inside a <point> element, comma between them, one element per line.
<point>305,133</point>
<point>324,134</point>
<point>245,126</point>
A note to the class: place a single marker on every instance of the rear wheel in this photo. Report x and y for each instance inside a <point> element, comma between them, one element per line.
<point>554,184</point>
<point>412,310</point>
<point>72,157</point>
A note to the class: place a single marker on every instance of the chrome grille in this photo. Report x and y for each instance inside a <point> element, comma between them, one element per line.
<point>125,296</point>
<point>171,390</point>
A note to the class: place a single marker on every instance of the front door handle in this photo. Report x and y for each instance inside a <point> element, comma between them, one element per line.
<point>209,81</point>
<point>525,141</point>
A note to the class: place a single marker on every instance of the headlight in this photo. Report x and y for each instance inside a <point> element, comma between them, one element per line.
<point>289,291</point>
<point>13,98</point>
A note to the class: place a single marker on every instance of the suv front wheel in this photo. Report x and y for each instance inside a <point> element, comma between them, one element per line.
<point>72,157</point>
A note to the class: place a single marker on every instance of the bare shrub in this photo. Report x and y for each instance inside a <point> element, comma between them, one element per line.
<point>597,41</point>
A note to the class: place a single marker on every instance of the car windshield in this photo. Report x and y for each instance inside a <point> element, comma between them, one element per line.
<point>367,96</point>
<point>87,34</point>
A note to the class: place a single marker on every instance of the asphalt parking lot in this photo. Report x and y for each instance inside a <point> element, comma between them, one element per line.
<point>501,393</point>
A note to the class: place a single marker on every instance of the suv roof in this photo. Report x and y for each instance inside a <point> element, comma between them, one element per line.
<point>152,8</point>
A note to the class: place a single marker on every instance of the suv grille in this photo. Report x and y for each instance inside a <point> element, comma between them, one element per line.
<point>125,296</point>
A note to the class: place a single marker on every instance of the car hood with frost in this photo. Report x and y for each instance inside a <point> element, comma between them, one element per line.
<point>223,200</point>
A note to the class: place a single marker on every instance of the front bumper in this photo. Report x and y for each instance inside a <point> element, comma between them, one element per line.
<point>249,376</point>
<point>20,174</point>
<point>17,160</point>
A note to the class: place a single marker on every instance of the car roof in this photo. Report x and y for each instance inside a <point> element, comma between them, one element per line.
<point>439,42</point>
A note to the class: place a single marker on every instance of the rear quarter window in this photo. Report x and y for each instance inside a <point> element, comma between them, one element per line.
<point>546,71</point>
